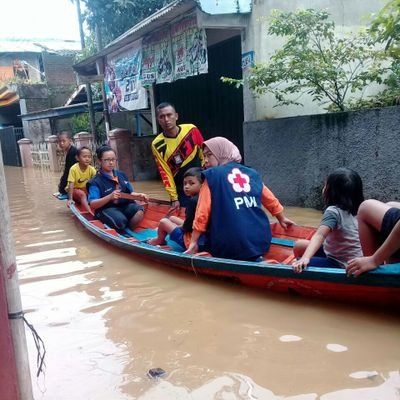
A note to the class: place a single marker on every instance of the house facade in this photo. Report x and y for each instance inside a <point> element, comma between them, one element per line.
<point>34,75</point>
<point>236,36</point>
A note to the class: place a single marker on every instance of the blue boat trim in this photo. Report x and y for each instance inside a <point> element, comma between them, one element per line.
<point>283,242</point>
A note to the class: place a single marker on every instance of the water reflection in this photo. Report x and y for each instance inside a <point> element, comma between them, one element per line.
<point>107,317</point>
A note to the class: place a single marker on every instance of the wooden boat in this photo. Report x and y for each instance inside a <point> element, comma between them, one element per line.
<point>379,287</point>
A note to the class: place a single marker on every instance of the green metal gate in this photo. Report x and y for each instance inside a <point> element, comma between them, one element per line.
<point>214,107</point>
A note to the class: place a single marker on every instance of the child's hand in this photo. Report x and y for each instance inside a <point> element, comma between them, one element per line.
<point>69,202</point>
<point>359,265</point>
<point>300,264</point>
<point>175,206</point>
<point>284,222</point>
<point>192,249</point>
<point>142,197</point>
<point>115,195</point>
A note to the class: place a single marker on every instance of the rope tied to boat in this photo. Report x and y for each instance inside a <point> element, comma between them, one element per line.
<point>39,343</point>
<point>192,264</point>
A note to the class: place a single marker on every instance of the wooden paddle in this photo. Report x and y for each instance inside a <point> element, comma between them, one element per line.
<point>129,196</point>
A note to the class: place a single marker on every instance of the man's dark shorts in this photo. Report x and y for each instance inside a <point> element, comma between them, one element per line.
<point>390,219</point>
<point>118,217</point>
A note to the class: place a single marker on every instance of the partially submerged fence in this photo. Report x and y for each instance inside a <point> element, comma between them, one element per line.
<point>40,155</point>
<point>47,155</point>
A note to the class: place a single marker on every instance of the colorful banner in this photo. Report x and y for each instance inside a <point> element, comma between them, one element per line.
<point>163,56</point>
<point>196,42</point>
<point>189,45</point>
<point>124,90</point>
<point>148,76</point>
<point>176,52</point>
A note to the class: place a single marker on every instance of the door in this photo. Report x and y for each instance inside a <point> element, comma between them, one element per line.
<point>214,107</point>
<point>9,145</point>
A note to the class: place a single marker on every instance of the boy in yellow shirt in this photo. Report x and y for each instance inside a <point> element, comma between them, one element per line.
<point>79,175</point>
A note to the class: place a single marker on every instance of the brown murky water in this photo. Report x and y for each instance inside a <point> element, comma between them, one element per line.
<point>107,318</point>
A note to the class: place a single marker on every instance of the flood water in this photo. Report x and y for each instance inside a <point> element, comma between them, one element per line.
<point>107,317</point>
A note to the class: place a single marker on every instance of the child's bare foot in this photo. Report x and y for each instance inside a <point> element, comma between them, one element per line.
<point>155,242</point>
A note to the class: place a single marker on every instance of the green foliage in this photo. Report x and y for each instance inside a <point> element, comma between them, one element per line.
<point>314,61</point>
<point>390,96</point>
<point>114,17</point>
<point>385,27</point>
<point>80,123</point>
<point>89,50</point>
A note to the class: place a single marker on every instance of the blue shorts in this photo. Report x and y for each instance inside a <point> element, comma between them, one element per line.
<point>118,217</point>
<point>321,260</point>
<point>177,236</point>
<point>390,219</point>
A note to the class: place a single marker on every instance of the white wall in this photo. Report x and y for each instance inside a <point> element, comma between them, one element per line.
<point>348,16</point>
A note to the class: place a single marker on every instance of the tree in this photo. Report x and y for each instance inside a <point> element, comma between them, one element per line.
<point>315,61</point>
<point>114,17</point>
<point>386,27</point>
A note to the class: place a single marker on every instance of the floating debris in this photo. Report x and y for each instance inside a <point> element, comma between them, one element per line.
<point>155,373</point>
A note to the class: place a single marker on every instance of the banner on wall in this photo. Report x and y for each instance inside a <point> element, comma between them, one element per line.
<point>196,42</point>
<point>189,45</point>
<point>122,71</point>
<point>163,56</point>
<point>148,75</point>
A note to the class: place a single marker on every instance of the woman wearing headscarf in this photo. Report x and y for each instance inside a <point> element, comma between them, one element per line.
<point>230,203</point>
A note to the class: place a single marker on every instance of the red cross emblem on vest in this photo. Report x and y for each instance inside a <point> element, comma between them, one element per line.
<point>240,182</point>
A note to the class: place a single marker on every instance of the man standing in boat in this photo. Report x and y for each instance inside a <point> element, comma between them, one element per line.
<point>176,149</point>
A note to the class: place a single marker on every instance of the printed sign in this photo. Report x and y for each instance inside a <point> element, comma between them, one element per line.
<point>163,56</point>
<point>248,60</point>
<point>189,45</point>
<point>124,90</point>
<point>148,76</point>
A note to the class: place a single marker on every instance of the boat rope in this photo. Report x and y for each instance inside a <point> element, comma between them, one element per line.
<point>192,264</point>
<point>40,347</point>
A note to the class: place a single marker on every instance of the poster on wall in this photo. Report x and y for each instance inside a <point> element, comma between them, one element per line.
<point>189,46</point>
<point>163,56</point>
<point>248,60</point>
<point>196,42</point>
<point>148,73</point>
<point>124,90</point>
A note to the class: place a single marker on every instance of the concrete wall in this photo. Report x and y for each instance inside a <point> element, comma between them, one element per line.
<point>294,155</point>
<point>34,98</point>
<point>348,16</point>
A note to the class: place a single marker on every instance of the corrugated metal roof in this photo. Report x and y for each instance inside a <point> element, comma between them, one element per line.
<point>37,46</point>
<point>61,112</point>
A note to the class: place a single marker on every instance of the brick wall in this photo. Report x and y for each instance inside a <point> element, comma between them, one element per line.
<point>60,77</point>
